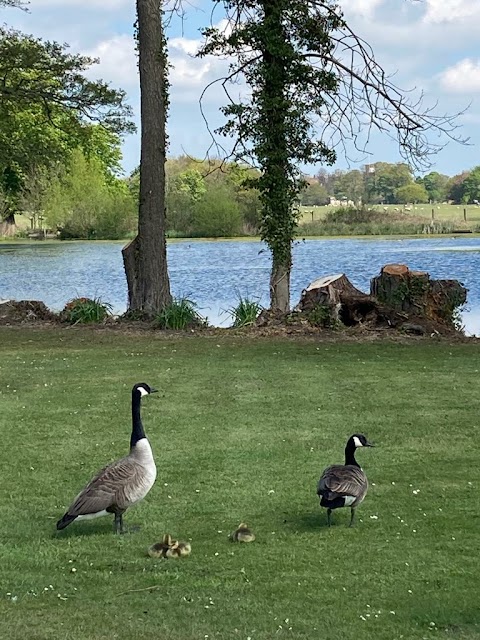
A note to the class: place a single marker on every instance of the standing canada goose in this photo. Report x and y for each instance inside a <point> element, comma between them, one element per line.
<point>344,485</point>
<point>120,484</point>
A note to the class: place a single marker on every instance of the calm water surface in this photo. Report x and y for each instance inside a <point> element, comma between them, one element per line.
<point>215,273</point>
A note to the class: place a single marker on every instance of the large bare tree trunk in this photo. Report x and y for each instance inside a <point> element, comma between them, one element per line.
<point>145,258</point>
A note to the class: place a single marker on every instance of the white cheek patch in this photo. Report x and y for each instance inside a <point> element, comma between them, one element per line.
<point>349,500</point>
<point>357,441</point>
<point>143,391</point>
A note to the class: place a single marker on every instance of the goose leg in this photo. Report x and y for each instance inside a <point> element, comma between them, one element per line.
<point>329,521</point>
<point>352,516</point>
<point>118,524</point>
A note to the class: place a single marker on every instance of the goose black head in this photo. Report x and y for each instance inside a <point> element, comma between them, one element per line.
<point>359,440</point>
<point>143,389</point>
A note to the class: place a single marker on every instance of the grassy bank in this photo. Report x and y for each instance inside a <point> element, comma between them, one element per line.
<point>384,221</point>
<point>240,431</point>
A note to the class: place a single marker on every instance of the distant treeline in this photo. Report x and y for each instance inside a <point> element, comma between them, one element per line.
<point>385,183</point>
<point>85,198</point>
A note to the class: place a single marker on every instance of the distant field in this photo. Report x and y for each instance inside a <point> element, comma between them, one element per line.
<point>441,212</point>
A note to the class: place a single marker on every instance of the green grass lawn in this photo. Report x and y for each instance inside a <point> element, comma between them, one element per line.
<point>241,431</point>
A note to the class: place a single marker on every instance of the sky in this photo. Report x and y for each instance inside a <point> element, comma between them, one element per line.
<point>429,44</point>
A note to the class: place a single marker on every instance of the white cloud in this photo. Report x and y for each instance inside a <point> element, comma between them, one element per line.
<point>118,62</point>
<point>364,8</point>
<point>462,77</point>
<point>451,10</point>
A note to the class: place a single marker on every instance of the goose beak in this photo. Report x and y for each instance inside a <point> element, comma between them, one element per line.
<point>152,390</point>
<point>369,444</point>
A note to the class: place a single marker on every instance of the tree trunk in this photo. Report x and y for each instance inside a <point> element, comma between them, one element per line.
<point>280,287</point>
<point>145,258</point>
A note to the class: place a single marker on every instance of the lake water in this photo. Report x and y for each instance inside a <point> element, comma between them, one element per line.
<point>215,273</point>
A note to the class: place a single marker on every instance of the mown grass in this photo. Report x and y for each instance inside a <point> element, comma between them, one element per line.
<point>240,430</point>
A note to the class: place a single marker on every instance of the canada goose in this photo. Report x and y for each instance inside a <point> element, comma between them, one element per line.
<point>344,485</point>
<point>120,484</point>
<point>242,534</point>
<point>169,548</point>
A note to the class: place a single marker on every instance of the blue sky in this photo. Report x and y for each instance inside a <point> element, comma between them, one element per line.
<point>430,44</point>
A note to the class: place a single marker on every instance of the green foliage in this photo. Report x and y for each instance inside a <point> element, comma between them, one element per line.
<point>412,192</point>
<point>471,186</point>
<point>349,185</point>
<point>455,188</point>
<point>275,127</point>
<point>363,221</point>
<point>387,178</point>
<point>180,314</point>
<point>436,185</point>
<point>48,107</point>
<point>245,312</point>
<point>194,187</point>
<point>81,202</point>
<point>314,195</point>
<point>353,215</point>
<point>86,310</point>
<point>216,214</point>
<point>322,316</point>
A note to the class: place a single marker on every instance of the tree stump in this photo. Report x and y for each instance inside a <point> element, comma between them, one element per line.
<point>344,303</point>
<point>399,298</point>
<point>415,294</point>
<point>401,289</point>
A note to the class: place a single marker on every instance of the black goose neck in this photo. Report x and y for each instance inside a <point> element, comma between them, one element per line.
<point>137,427</point>
<point>350,454</point>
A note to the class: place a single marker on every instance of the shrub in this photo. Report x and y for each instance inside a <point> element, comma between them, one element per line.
<point>181,313</point>
<point>245,313</point>
<point>85,310</point>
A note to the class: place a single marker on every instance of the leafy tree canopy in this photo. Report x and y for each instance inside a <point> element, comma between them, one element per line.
<point>412,192</point>
<point>48,108</point>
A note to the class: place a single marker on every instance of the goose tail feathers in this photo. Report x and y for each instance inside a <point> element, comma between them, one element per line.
<point>65,521</point>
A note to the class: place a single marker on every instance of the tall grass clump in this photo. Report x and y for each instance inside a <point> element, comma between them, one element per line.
<point>86,310</point>
<point>245,313</point>
<point>180,314</point>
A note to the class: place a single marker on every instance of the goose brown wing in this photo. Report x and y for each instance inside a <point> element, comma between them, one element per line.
<point>343,480</point>
<point>106,489</point>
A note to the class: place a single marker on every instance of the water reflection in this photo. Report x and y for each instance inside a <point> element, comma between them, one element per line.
<point>216,273</point>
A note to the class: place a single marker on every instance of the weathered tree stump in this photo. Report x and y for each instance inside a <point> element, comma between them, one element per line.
<point>399,298</point>
<point>414,293</point>
<point>401,289</point>
<point>344,303</point>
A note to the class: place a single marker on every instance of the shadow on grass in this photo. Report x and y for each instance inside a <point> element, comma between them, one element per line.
<point>94,529</point>
<point>305,521</point>
<point>316,520</point>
